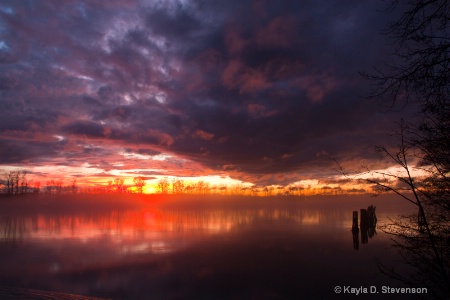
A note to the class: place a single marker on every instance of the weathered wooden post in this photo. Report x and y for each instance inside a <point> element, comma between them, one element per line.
<point>372,218</point>
<point>355,220</point>
<point>364,224</point>
<point>355,230</point>
<point>420,222</point>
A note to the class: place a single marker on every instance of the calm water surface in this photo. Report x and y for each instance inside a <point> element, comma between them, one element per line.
<point>193,247</point>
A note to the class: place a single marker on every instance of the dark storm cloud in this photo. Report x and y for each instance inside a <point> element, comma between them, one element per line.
<point>178,25</point>
<point>15,151</point>
<point>89,129</point>
<point>258,87</point>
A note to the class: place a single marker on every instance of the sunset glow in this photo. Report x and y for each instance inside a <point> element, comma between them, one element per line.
<point>233,149</point>
<point>191,91</point>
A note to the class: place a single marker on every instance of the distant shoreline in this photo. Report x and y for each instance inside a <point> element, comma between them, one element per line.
<point>85,202</point>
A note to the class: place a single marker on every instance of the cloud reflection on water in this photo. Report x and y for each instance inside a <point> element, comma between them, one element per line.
<point>152,223</point>
<point>190,249</point>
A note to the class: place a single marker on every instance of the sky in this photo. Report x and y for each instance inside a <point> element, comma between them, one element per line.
<point>257,92</point>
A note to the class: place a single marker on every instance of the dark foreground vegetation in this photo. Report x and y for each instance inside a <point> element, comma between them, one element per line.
<point>419,76</point>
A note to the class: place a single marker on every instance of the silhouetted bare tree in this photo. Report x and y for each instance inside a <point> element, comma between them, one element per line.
<point>420,74</point>
<point>202,187</point>
<point>16,182</point>
<point>177,186</point>
<point>421,238</point>
<point>9,184</point>
<point>119,185</point>
<point>163,186</point>
<point>139,183</point>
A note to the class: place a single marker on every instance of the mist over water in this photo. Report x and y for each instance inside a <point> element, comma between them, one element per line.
<point>148,247</point>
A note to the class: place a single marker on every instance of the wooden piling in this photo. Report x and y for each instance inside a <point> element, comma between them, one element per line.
<point>355,220</point>
<point>420,222</point>
<point>364,224</point>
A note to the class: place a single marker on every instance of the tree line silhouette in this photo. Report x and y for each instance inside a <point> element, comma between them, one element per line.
<point>16,183</point>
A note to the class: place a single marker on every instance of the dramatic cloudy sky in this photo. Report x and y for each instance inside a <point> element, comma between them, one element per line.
<point>266,92</point>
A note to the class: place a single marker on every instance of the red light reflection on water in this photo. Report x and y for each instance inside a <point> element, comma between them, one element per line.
<point>148,223</point>
<point>163,249</point>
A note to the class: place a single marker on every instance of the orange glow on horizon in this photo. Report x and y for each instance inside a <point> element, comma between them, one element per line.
<point>222,185</point>
<point>92,180</point>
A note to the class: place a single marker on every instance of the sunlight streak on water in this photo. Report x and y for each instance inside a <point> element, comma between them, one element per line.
<point>153,224</point>
<point>152,247</point>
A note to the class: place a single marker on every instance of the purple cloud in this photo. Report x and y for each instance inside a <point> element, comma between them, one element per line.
<point>250,87</point>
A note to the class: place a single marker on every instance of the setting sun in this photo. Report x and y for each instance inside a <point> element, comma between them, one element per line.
<point>238,149</point>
